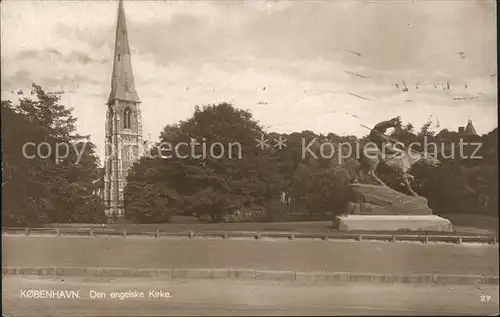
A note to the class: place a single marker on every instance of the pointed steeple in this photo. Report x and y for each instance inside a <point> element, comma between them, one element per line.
<point>122,78</point>
<point>469,129</point>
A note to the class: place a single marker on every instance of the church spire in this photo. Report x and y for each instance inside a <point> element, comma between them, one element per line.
<point>122,78</point>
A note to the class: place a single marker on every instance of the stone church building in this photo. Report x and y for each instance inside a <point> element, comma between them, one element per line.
<point>123,137</point>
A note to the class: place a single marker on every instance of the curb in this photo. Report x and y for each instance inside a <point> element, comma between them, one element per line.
<point>242,274</point>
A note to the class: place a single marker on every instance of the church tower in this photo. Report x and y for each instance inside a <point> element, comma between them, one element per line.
<point>123,123</point>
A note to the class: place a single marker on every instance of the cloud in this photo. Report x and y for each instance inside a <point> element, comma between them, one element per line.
<point>50,54</point>
<point>36,54</point>
<point>289,62</point>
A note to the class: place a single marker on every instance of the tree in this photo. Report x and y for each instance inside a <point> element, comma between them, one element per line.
<point>316,183</point>
<point>150,195</point>
<point>460,184</point>
<point>310,184</point>
<point>51,185</point>
<point>201,178</point>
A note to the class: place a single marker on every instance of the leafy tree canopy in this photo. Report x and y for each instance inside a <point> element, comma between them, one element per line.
<point>53,179</point>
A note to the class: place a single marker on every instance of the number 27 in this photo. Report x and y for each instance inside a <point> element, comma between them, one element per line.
<point>485,298</point>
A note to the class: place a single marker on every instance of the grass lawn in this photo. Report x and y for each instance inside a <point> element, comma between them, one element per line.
<point>474,221</point>
<point>463,224</point>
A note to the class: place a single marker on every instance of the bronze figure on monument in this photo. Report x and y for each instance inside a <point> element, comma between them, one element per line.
<point>380,207</point>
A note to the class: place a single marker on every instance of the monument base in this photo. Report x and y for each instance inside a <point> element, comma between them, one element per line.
<point>392,223</point>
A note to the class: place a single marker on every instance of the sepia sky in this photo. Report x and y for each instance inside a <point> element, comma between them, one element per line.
<point>296,65</point>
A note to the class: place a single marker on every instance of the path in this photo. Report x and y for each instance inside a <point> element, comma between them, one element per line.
<point>276,255</point>
<point>217,298</point>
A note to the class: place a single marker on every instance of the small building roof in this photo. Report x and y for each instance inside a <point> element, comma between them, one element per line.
<point>469,129</point>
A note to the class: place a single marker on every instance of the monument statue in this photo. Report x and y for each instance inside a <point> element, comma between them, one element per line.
<point>380,207</point>
<point>396,159</point>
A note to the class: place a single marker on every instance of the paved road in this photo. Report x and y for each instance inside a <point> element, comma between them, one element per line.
<point>217,298</point>
<point>275,255</point>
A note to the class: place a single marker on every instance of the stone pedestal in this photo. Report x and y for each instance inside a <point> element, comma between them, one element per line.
<point>380,200</point>
<point>379,208</point>
<point>393,223</point>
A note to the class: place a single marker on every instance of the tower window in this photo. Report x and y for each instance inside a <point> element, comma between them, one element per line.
<point>127,118</point>
<point>126,87</point>
<point>119,57</point>
<point>110,122</point>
